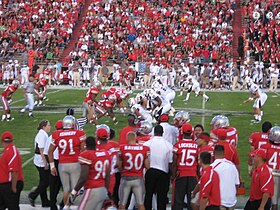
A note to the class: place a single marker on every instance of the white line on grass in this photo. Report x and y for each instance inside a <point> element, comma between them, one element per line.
<point>52,92</point>
<point>203,110</point>
<point>27,162</point>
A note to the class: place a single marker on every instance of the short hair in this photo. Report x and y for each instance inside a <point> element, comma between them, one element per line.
<point>131,136</point>
<point>219,150</point>
<point>42,124</point>
<point>90,142</point>
<point>205,157</point>
<point>112,133</point>
<point>158,131</point>
<point>266,126</point>
<point>70,111</point>
<point>131,119</point>
<point>199,126</point>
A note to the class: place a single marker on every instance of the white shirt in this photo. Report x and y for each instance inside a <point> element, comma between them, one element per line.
<point>161,153</point>
<point>170,132</point>
<point>229,178</point>
<point>47,146</point>
<point>40,139</point>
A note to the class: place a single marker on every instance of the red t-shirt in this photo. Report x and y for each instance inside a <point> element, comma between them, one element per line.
<point>187,152</point>
<point>262,181</point>
<point>230,152</point>
<point>133,157</point>
<point>257,139</point>
<point>68,143</point>
<point>10,161</point>
<point>9,91</point>
<point>123,132</point>
<point>272,156</point>
<point>98,161</point>
<point>210,187</point>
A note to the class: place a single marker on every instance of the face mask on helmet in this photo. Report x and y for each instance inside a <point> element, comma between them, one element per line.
<point>181,117</point>
<point>274,134</point>
<point>219,121</point>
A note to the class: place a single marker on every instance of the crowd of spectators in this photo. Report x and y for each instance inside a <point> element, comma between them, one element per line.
<point>40,25</point>
<point>200,31</point>
<point>262,33</point>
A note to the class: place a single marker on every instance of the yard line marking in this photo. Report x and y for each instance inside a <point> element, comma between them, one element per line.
<point>23,99</point>
<point>203,110</point>
<point>27,162</point>
<point>276,93</point>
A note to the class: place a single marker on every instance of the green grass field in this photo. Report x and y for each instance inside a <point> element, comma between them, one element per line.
<point>228,103</point>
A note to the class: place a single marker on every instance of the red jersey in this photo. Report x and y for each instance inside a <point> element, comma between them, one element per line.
<point>232,135</point>
<point>257,139</point>
<point>10,161</point>
<point>187,152</point>
<point>68,143</point>
<point>106,103</point>
<point>207,148</point>
<point>98,161</point>
<point>261,182</point>
<point>133,157</point>
<point>123,132</point>
<point>90,94</point>
<point>272,157</point>
<point>9,91</point>
<point>230,152</point>
<point>210,186</point>
<point>105,95</point>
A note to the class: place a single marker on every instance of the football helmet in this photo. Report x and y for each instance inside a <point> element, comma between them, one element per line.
<point>69,122</point>
<point>220,121</point>
<point>146,127</point>
<point>139,97</point>
<point>112,97</point>
<point>15,82</point>
<point>181,117</point>
<point>274,134</point>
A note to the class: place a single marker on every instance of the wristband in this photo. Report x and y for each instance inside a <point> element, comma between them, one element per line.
<point>74,192</point>
<point>52,166</point>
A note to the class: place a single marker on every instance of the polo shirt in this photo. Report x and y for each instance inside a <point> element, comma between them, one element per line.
<point>170,132</point>
<point>40,142</point>
<point>160,153</point>
<point>47,147</point>
<point>10,161</point>
<point>262,181</point>
<point>229,178</point>
<point>210,187</point>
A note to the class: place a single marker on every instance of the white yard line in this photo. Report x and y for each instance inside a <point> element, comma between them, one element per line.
<point>203,111</point>
<point>27,162</point>
<point>48,93</point>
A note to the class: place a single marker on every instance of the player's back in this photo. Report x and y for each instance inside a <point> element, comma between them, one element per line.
<point>232,136</point>
<point>69,144</point>
<point>230,152</point>
<point>273,157</point>
<point>257,139</point>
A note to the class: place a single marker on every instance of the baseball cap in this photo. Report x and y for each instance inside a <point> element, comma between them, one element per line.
<point>259,152</point>
<point>7,136</point>
<point>102,133</point>
<point>221,134</point>
<point>164,118</point>
<point>204,137</point>
<point>187,128</point>
<point>59,125</point>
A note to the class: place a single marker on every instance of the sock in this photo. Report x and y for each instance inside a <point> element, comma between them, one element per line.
<point>181,93</point>
<point>8,116</point>
<point>256,117</point>
<point>259,118</point>
<point>205,96</point>
<point>261,113</point>
<point>188,96</point>
<point>3,117</point>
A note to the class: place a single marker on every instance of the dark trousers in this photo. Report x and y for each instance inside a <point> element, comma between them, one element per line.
<point>55,185</point>
<point>8,199</point>
<point>213,208</point>
<point>254,205</point>
<point>156,182</point>
<point>116,189</point>
<point>44,178</point>
<point>183,186</point>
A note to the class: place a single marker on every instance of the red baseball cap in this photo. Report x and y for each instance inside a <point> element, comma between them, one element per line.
<point>187,128</point>
<point>164,118</point>
<point>102,133</point>
<point>7,136</point>
<point>204,137</point>
<point>221,134</point>
<point>259,152</point>
<point>58,125</point>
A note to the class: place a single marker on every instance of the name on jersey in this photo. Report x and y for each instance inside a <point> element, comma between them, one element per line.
<point>69,133</point>
<point>100,154</point>
<point>187,145</point>
<point>133,147</point>
<point>275,147</point>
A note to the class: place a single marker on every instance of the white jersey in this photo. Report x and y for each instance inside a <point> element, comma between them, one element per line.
<point>24,70</point>
<point>254,89</point>
<point>144,113</point>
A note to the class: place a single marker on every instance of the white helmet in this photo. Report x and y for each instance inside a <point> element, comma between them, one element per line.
<point>139,97</point>
<point>156,85</point>
<point>181,117</point>
<point>131,102</point>
<point>220,121</point>
<point>146,127</point>
<point>69,122</point>
<point>112,97</point>
<point>274,134</point>
<point>15,82</point>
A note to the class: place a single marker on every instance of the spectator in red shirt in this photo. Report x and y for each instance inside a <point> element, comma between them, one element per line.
<point>262,184</point>
<point>11,177</point>
<point>130,127</point>
<point>209,194</point>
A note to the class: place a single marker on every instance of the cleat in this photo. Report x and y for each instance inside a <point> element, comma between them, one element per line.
<point>30,115</point>
<point>257,121</point>
<point>22,110</point>
<point>206,100</point>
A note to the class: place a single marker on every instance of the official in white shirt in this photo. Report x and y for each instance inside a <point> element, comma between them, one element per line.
<point>41,164</point>
<point>157,178</point>
<point>229,178</point>
<point>170,132</point>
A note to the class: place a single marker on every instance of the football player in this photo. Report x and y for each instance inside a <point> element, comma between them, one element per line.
<point>259,98</point>
<point>41,91</point>
<point>106,106</point>
<point>138,109</point>
<point>6,99</point>
<point>193,86</point>
<point>273,161</point>
<point>90,100</point>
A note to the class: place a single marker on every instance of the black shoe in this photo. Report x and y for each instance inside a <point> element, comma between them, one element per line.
<point>32,201</point>
<point>46,205</point>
